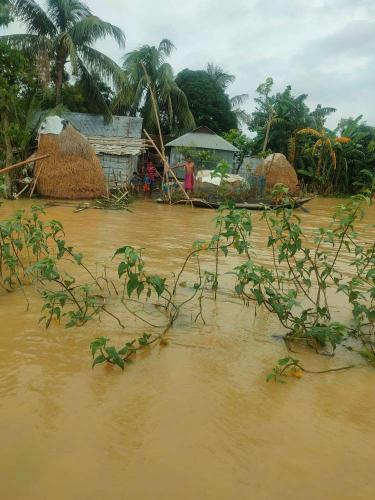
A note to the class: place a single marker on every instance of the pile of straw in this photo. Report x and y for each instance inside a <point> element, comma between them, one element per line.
<point>277,170</point>
<point>72,171</point>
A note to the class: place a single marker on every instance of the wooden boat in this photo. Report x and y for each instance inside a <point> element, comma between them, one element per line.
<point>199,202</point>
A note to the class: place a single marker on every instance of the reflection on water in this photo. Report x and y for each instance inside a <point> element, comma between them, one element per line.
<point>194,420</point>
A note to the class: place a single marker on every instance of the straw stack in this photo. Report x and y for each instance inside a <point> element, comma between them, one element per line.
<point>277,170</point>
<point>72,171</point>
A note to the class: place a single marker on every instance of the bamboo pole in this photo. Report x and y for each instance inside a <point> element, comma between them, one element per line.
<point>35,181</point>
<point>167,168</point>
<point>21,163</point>
<point>22,190</point>
<point>166,164</point>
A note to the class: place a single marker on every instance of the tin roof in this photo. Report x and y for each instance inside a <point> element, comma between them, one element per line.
<point>204,138</point>
<point>121,136</point>
<point>94,125</point>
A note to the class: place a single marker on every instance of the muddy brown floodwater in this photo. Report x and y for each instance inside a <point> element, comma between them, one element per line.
<point>193,420</point>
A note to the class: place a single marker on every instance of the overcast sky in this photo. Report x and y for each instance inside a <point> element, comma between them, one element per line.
<point>324,48</point>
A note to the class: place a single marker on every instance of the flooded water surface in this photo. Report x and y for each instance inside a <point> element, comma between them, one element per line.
<point>191,420</point>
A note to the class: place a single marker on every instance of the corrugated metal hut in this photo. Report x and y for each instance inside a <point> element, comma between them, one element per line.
<point>197,141</point>
<point>117,143</point>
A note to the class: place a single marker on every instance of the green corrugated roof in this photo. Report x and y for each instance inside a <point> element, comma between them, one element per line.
<point>203,140</point>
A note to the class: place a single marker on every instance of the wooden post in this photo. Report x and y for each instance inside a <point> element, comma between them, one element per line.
<point>166,165</point>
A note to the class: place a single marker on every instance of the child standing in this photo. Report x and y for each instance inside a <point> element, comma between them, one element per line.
<point>147,186</point>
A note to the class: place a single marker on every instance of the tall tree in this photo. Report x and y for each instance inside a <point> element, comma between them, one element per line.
<point>356,159</point>
<point>326,160</point>
<point>66,32</point>
<point>5,16</point>
<point>78,98</point>
<point>219,76</point>
<point>241,141</point>
<point>145,67</point>
<point>18,97</point>
<point>224,79</point>
<point>319,115</point>
<point>208,101</point>
<point>276,119</point>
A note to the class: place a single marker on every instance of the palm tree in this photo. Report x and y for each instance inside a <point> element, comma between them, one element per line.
<point>65,32</point>
<point>217,73</point>
<point>236,103</point>
<point>145,67</point>
<point>224,79</point>
<point>5,17</point>
<point>319,116</point>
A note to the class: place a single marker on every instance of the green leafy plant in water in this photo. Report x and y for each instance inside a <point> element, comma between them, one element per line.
<point>132,270</point>
<point>360,291</point>
<point>24,240</point>
<point>284,367</point>
<point>82,303</point>
<point>294,288</point>
<point>291,366</point>
<point>103,353</point>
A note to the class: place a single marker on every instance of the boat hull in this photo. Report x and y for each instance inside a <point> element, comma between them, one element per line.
<point>197,202</point>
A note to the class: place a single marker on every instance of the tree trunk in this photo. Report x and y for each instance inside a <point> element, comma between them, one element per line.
<point>60,65</point>
<point>8,154</point>
<point>266,137</point>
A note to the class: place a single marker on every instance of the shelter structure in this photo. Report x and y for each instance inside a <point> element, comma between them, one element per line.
<point>204,146</point>
<point>117,144</point>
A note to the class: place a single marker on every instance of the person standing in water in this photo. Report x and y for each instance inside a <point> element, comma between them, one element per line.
<point>189,167</point>
<point>149,178</point>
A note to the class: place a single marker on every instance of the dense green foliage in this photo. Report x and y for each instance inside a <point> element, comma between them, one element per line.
<point>241,141</point>
<point>328,161</point>
<point>5,15</point>
<point>67,30</point>
<point>208,101</point>
<point>78,97</point>
<point>18,99</point>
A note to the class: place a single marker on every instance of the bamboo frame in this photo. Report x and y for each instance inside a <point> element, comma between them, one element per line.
<point>167,166</point>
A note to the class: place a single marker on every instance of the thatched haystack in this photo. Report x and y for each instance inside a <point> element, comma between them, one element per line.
<point>277,170</point>
<point>72,171</point>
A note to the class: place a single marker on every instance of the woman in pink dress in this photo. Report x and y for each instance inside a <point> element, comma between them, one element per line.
<point>189,167</point>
